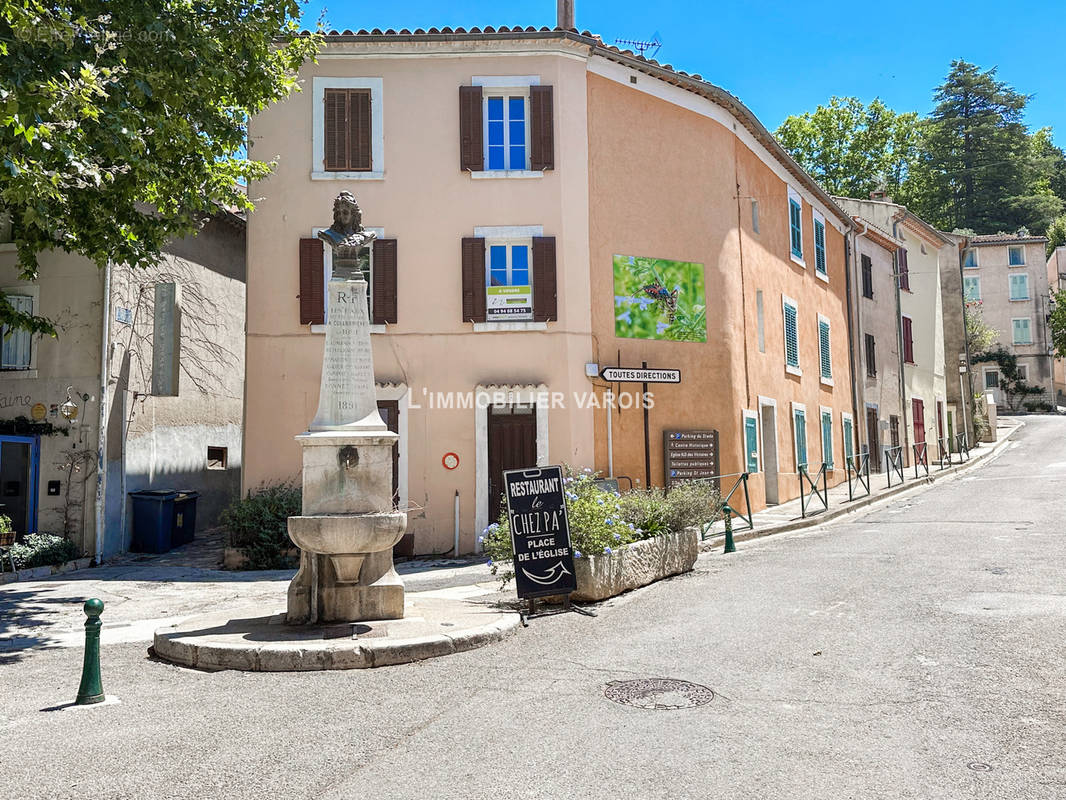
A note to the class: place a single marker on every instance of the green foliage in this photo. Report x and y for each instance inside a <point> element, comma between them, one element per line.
<point>124,124</point>
<point>1011,383</point>
<point>1042,405</point>
<point>659,299</point>
<point>1057,324</point>
<point>852,149</point>
<point>258,525</point>
<point>602,521</point>
<point>38,549</point>
<point>979,335</point>
<point>1056,234</point>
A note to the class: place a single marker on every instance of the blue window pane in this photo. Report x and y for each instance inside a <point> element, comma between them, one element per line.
<point>495,105</point>
<point>518,157</point>
<point>496,158</point>
<point>520,277</point>
<point>517,129</point>
<point>516,108</point>
<point>520,256</point>
<point>498,277</point>
<point>498,257</point>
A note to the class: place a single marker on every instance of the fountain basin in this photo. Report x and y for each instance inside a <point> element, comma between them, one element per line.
<point>348,538</point>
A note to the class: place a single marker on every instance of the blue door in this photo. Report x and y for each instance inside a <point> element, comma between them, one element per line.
<point>20,468</point>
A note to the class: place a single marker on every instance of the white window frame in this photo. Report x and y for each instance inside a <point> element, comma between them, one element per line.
<point>985,372</point>
<point>499,234</point>
<point>795,442</point>
<point>34,294</point>
<point>504,86</point>
<point>970,251</point>
<point>823,412</point>
<point>1011,276</point>
<point>327,270</point>
<point>1028,320</point>
<point>818,217</point>
<point>976,278</point>
<point>318,128</point>
<point>1023,372</point>
<point>745,415</point>
<point>1015,247</point>
<point>524,241</point>
<point>829,326</point>
<point>793,195</point>
<point>788,301</point>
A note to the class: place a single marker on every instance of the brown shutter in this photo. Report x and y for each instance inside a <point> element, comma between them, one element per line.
<point>384,302</point>
<point>904,270</point>
<point>541,128</point>
<point>908,340</point>
<point>473,280</point>
<point>312,302</point>
<point>545,306</point>
<point>359,158</point>
<point>336,129</point>
<point>471,139</point>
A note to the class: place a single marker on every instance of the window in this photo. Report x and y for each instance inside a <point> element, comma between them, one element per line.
<point>760,321</point>
<point>217,457</point>
<point>819,245</point>
<point>827,437</point>
<point>991,378</point>
<point>871,356</point>
<point>867,276</point>
<point>1022,331</point>
<point>825,355</point>
<point>347,129</point>
<point>506,126</point>
<point>751,442</point>
<point>791,336</point>
<point>1016,256</point>
<point>508,287</point>
<point>795,223</point>
<point>1023,372</point>
<point>903,269</point>
<point>969,258</point>
<point>755,216</point>
<point>799,434</point>
<point>971,287</point>
<point>908,340</point>
<point>1019,286</point>
<point>377,265</point>
<point>18,344</point>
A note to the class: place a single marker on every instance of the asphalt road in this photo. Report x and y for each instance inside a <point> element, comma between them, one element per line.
<point>914,651</point>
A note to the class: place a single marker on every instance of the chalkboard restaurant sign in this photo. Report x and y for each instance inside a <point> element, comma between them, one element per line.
<point>540,533</point>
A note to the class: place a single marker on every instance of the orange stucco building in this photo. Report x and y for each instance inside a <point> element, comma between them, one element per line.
<point>550,206</point>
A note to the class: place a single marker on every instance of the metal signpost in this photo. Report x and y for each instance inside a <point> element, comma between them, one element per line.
<point>643,376</point>
<point>540,533</point>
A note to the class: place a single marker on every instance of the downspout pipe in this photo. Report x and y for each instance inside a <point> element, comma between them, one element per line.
<point>101,433</point>
<point>967,426</point>
<point>899,341</point>
<point>853,328</point>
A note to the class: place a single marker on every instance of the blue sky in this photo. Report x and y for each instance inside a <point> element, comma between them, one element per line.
<point>782,58</point>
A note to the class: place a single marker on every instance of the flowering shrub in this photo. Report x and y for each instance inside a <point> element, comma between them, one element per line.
<point>602,521</point>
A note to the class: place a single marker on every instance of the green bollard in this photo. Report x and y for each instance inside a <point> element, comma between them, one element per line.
<point>91,690</point>
<point>729,546</point>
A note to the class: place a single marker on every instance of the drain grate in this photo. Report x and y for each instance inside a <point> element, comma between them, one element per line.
<point>658,694</point>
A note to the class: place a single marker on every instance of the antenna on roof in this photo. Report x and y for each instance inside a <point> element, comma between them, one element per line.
<point>642,46</point>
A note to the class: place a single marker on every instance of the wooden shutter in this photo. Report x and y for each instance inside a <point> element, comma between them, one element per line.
<point>471,136</point>
<point>871,356</point>
<point>791,337</point>
<point>545,303</point>
<point>473,280</point>
<point>541,128</point>
<point>336,130</point>
<point>867,277</point>
<point>312,280</point>
<point>359,150</point>
<point>824,351</point>
<point>904,274</point>
<point>384,279</point>
<point>908,341</point>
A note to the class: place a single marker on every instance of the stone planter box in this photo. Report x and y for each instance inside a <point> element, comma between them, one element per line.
<point>634,565</point>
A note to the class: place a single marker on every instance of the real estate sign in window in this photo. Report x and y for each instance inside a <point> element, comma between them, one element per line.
<point>508,289</point>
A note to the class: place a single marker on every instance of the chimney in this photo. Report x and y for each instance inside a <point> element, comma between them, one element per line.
<point>565,13</point>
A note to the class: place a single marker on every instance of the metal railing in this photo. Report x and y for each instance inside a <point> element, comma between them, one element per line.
<point>859,466</point>
<point>807,495</point>
<point>921,457</point>
<point>894,463</point>
<point>741,481</point>
<point>961,446</point>
<point>943,444</point>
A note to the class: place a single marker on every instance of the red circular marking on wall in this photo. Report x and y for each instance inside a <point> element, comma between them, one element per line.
<point>450,461</point>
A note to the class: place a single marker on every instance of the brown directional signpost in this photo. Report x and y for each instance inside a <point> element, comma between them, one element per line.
<point>642,375</point>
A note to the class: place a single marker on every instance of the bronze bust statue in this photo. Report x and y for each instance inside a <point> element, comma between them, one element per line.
<point>347,237</point>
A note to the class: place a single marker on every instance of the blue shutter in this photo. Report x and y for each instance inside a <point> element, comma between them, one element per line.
<point>1022,334</point>
<point>799,422</point>
<point>827,439</point>
<point>1019,287</point>
<point>751,445</point>
<point>848,436</point>
<point>823,348</point>
<point>819,247</point>
<point>796,228</point>
<point>791,341</point>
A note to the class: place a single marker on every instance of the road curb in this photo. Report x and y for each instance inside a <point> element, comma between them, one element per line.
<point>714,542</point>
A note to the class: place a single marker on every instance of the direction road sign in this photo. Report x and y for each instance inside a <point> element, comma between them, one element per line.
<point>640,375</point>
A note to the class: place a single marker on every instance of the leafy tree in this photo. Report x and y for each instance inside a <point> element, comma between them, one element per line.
<point>1056,234</point>
<point>851,148</point>
<point>980,336</point>
<point>1011,383</point>
<point>123,122</point>
<point>1057,324</point>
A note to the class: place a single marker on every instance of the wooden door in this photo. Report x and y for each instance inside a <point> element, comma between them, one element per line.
<point>918,412</point>
<point>873,436</point>
<point>512,435</point>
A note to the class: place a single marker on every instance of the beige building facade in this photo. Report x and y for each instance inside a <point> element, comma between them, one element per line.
<point>507,232</point>
<point>1056,277</point>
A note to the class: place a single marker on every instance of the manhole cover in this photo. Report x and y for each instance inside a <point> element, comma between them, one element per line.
<point>979,766</point>
<point>658,694</point>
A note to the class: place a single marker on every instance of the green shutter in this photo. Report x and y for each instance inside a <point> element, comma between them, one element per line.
<point>823,347</point>
<point>827,439</point>
<point>819,247</point>
<point>848,452</point>
<point>1019,287</point>
<point>799,422</point>
<point>1022,333</point>
<point>751,444</point>
<point>797,228</point>
<point>791,337</point>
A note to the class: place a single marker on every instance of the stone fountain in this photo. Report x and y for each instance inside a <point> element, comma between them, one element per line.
<point>349,526</point>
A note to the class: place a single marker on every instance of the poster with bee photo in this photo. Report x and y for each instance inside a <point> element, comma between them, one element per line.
<point>655,298</point>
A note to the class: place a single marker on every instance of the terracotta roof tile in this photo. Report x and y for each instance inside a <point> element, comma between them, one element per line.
<point>1001,238</point>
